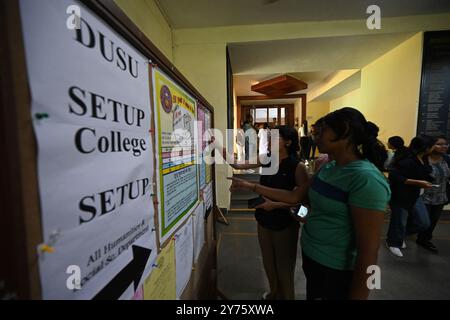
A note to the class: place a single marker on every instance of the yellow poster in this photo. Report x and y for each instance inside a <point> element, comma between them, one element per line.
<point>175,124</point>
<point>161,284</point>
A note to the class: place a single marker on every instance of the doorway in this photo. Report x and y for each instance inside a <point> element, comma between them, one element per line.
<point>282,114</point>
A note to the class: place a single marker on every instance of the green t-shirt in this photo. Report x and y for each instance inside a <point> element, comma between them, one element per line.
<point>328,236</point>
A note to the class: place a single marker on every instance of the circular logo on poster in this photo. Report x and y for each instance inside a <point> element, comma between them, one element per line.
<point>166,99</point>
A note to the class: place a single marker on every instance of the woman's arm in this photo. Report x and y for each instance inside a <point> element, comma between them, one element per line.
<point>420,183</point>
<point>297,195</point>
<point>400,175</point>
<point>269,205</point>
<point>367,224</point>
<point>233,162</point>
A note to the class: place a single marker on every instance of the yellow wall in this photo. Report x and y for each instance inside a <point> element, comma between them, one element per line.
<point>316,110</point>
<point>147,16</point>
<point>390,88</point>
<point>204,65</point>
<point>389,93</point>
<point>351,99</point>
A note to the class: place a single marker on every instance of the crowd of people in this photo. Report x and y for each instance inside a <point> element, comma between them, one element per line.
<point>356,181</point>
<point>252,137</point>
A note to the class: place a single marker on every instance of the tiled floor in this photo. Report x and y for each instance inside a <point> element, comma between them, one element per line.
<point>419,275</point>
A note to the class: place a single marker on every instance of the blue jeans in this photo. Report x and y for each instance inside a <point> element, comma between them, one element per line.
<point>407,221</point>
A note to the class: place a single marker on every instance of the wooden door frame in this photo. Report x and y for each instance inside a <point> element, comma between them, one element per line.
<point>260,98</point>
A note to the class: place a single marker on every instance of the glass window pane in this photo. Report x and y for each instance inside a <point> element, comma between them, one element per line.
<point>283,116</point>
<point>261,115</point>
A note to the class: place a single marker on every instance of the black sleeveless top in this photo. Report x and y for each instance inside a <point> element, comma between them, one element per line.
<point>278,219</point>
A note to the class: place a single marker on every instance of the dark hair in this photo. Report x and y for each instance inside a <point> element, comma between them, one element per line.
<point>417,145</point>
<point>401,151</point>
<point>305,127</point>
<point>318,123</point>
<point>289,133</point>
<point>266,125</point>
<point>349,123</point>
<point>372,129</point>
<point>421,144</point>
<point>397,142</point>
<point>441,137</point>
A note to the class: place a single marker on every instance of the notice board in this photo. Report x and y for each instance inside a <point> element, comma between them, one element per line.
<point>116,198</point>
<point>434,103</point>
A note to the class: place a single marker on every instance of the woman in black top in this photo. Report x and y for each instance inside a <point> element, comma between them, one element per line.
<point>410,173</point>
<point>277,229</point>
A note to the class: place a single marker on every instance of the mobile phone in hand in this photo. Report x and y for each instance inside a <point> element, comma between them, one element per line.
<point>302,212</point>
<point>252,203</point>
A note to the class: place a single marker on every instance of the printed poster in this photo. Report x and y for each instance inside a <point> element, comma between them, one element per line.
<point>161,283</point>
<point>91,116</point>
<point>184,256</point>
<point>178,191</point>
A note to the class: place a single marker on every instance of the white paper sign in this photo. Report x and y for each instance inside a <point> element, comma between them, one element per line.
<point>184,255</point>
<point>104,260</point>
<point>208,196</point>
<point>199,230</point>
<point>91,115</point>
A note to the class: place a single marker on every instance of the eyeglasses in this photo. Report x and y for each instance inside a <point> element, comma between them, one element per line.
<point>441,145</point>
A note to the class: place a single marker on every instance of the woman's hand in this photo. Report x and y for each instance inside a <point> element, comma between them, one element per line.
<point>267,205</point>
<point>241,184</point>
<point>425,184</point>
<point>296,217</point>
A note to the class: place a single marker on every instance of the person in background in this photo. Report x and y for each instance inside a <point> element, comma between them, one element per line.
<point>296,127</point>
<point>312,143</point>
<point>378,145</point>
<point>397,145</point>
<point>263,136</point>
<point>436,197</point>
<point>274,123</point>
<point>348,199</point>
<point>410,173</point>
<point>250,139</point>
<point>240,144</point>
<point>304,141</point>
<point>277,229</point>
<point>323,158</point>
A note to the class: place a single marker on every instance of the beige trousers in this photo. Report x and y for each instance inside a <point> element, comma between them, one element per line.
<point>279,252</point>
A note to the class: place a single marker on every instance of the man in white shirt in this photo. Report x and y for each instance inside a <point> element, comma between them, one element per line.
<point>240,143</point>
<point>263,136</point>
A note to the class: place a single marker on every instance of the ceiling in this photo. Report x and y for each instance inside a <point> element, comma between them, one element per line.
<point>351,83</point>
<point>268,102</point>
<point>243,83</point>
<point>305,59</point>
<point>312,60</point>
<point>212,13</point>
<point>311,54</point>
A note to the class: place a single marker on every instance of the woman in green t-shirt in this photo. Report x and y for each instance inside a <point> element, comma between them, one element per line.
<point>348,198</point>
